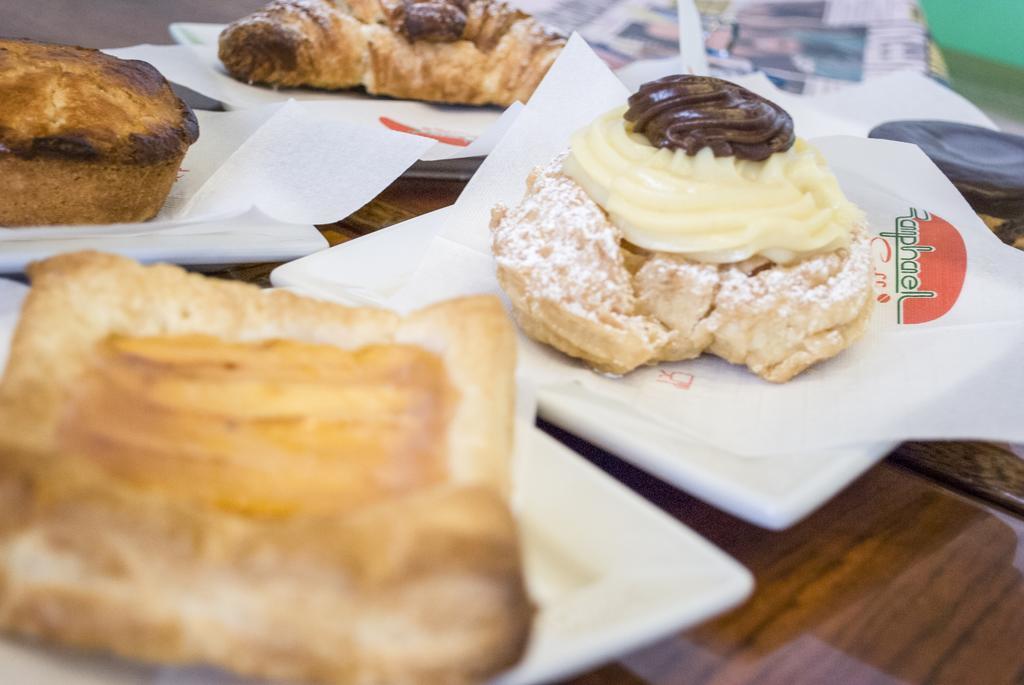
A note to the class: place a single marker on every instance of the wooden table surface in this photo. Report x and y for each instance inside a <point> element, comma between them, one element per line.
<point>912,574</point>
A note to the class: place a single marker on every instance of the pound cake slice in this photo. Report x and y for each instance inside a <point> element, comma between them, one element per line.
<point>204,472</point>
<point>85,138</point>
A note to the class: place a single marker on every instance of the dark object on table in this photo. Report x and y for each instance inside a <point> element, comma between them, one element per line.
<point>461,169</point>
<point>986,166</point>
<point>196,100</point>
<point>1011,231</point>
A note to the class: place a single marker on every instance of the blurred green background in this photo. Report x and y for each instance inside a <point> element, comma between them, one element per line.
<point>982,42</point>
<point>991,29</point>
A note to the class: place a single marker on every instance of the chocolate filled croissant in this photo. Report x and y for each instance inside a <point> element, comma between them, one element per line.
<point>457,51</point>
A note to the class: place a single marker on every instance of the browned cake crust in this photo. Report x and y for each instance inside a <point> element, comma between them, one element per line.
<point>85,138</point>
<point>459,51</point>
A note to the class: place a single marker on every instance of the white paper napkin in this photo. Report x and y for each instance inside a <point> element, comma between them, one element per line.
<point>692,53</point>
<point>302,165</point>
<point>954,376</point>
<point>454,131</point>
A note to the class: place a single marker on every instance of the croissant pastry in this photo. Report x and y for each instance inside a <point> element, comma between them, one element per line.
<point>456,51</point>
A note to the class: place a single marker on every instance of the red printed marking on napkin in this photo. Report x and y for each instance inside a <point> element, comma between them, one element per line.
<point>677,379</point>
<point>928,259</point>
<point>446,137</point>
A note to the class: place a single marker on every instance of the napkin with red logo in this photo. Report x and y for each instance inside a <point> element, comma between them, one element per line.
<point>941,358</point>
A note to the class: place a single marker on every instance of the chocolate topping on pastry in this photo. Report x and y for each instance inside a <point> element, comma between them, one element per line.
<point>693,112</point>
<point>986,166</point>
<point>437,21</point>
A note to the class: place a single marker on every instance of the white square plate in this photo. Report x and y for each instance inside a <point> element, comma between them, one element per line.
<point>609,571</point>
<point>774,492</point>
<point>244,239</point>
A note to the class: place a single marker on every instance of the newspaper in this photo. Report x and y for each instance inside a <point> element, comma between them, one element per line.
<point>620,31</point>
<point>817,46</point>
<point>803,46</point>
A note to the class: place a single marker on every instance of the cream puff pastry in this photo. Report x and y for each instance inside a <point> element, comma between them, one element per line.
<point>691,221</point>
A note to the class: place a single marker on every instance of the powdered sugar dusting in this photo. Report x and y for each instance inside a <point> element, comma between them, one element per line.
<point>778,319</point>
<point>820,281</point>
<point>564,247</point>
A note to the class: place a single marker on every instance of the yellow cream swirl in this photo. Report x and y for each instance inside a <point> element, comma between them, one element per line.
<point>711,209</point>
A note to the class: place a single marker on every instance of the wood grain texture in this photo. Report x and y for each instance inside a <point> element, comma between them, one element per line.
<point>986,470</point>
<point>896,580</point>
<point>404,199</point>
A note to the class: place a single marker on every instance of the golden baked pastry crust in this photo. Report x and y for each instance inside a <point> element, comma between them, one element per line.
<point>425,590</point>
<point>500,55</point>
<point>85,137</point>
<point>420,586</point>
<point>216,420</point>
<point>576,285</point>
<point>110,295</point>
